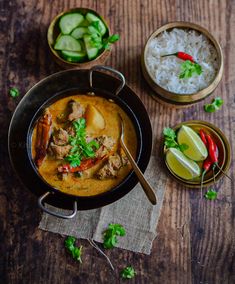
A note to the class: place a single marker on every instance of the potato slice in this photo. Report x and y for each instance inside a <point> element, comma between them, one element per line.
<point>94,119</point>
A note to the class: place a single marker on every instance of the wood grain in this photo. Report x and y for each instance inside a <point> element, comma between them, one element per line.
<point>195,242</point>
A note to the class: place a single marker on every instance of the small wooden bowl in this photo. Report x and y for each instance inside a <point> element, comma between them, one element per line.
<point>224,159</point>
<point>54,31</point>
<point>182,100</point>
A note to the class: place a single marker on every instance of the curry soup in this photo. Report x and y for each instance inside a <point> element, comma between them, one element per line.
<point>88,182</point>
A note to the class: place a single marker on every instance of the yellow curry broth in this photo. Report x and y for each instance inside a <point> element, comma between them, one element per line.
<point>88,185</point>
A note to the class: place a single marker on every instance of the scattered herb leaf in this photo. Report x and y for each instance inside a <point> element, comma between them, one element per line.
<point>110,235</point>
<point>128,272</point>
<point>215,105</point>
<point>188,69</point>
<point>14,92</point>
<point>211,194</point>
<point>75,251</point>
<point>170,140</point>
<point>80,148</point>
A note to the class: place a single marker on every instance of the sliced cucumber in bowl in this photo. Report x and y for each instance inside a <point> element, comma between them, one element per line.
<point>92,51</point>
<point>70,21</point>
<point>74,56</point>
<point>67,42</point>
<point>92,18</point>
<point>83,36</point>
<point>79,32</point>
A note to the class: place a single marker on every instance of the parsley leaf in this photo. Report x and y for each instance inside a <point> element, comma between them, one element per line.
<point>80,148</point>
<point>96,40</point>
<point>218,102</point>
<point>75,251</point>
<point>109,40</point>
<point>211,194</point>
<point>215,105</point>
<point>128,272</point>
<point>96,25</point>
<point>170,140</point>
<point>189,68</point>
<point>183,147</point>
<point>14,92</point>
<point>110,235</point>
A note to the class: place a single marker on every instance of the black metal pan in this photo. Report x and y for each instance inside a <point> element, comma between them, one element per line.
<point>53,88</point>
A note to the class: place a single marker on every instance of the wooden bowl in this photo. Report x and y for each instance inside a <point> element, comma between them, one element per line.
<point>54,31</point>
<point>182,100</point>
<point>224,158</point>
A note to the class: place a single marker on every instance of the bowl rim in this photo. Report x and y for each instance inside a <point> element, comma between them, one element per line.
<point>226,160</point>
<point>184,98</point>
<point>50,33</point>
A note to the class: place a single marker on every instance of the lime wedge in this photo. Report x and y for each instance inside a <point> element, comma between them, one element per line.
<point>181,165</point>
<point>196,148</point>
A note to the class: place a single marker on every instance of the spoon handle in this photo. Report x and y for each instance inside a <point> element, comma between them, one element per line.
<point>146,186</point>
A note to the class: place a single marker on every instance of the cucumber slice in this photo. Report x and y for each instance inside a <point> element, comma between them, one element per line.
<point>92,30</point>
<point>85,23</point>
<point>69,22</point>
<point>67,42</point>
<point>91,50</point>
<point>92,18</point>
<point>73,56</point>
<point>79,32</point>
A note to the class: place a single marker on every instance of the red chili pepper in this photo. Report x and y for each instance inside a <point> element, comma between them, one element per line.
<point>185,56</point>
<point>206,166</point>
<point>203,136</point>
<point>208,162</point>
<point>182,55</point>
<point>84,166</point>
<point>212,148</point>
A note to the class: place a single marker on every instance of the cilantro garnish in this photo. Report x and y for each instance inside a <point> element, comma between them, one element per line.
<point>109,40</point>
<point>96,37</point>
<point>80,148</point>
<point>96,40</point>
<point>72,249</point>
<point>14,92</point>
<point>128,272</point>
<point>211,194</point>
<point>170,140</point>
<point>96,25</point>
<point>110,235</point>
<point>189,68</point>
<point>215,105</point>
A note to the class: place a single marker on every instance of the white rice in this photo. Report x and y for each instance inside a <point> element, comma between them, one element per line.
<point>166,70</point>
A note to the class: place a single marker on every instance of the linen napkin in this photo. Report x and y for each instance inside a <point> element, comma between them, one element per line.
<point>133,211</point>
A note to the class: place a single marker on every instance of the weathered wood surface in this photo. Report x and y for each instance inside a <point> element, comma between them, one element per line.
<point>199,251</point>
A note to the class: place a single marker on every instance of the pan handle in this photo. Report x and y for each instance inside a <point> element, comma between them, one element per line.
<point>40,204</point>
<point>115,72</point>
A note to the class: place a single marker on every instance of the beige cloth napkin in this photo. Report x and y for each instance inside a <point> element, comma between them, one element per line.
<point>133,211</point>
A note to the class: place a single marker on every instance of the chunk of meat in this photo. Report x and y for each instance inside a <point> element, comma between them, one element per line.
<point>60,137</point>
<point>70,130</point>
<point>59,152</point>
<point>75,110</point>
<point>43,135</point>
<point>106,144</point>
<point>111,167</point>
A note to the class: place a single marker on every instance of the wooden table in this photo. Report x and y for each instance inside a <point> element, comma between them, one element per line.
<point>201,251</point>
